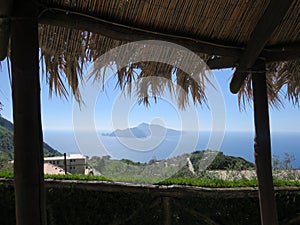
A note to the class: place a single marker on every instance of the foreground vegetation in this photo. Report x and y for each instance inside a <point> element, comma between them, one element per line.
<point>203,182</point>
<point>69,205</point>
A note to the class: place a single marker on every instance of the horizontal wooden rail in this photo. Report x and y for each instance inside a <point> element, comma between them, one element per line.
<point>156,190</point>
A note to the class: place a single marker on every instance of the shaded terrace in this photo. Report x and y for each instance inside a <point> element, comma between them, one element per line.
<point>260,39</point>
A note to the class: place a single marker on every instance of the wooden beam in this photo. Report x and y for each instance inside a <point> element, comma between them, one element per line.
<point>5,8</point>
<point>274,53</point>
<point>272,17</point>
<point>4,37</point>
<point>282,52</point>
<point>5,13</point>
<point>59,17</point>
<point>222,62</point>
<point>262,148</point>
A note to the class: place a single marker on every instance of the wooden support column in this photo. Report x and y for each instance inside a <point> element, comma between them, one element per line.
<point>28,140</point>
<point>262,147</point>
<point>167,210</point>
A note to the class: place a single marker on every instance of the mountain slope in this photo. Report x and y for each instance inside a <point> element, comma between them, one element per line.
<point>7,140</point>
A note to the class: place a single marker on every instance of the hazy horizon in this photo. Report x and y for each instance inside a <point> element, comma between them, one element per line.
<point>238,144</point>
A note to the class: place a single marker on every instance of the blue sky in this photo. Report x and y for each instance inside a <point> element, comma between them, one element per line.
<point>57,113</point>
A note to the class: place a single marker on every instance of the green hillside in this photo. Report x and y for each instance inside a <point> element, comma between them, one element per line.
<point>222,161</point>
<point>7,141</point>
<point>176,167</point>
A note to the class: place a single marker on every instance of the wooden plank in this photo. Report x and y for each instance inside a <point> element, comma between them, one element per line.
<point>59,17</point>
<point>272,17</point>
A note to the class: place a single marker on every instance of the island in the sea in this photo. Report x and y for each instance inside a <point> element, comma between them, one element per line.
<point>143,130</point>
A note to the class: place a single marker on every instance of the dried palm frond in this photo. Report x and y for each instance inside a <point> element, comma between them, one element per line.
<point>63,65</point>
<point>151,79</point>
<point>66,51</point>
<point>65,54</point>
<point>288,78</point>
<point>245,94</point>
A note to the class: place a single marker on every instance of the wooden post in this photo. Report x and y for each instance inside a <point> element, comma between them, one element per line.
<point>28,140</point>
<point>262,147</point>
<point>167,210</point>
<point>65,162</point>
<point>5,13</point>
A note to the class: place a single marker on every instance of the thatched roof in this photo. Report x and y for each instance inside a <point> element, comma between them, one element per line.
<point>224,33</point>
<point>221,22</point>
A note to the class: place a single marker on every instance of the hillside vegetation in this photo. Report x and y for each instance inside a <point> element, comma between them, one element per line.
<point>7,144</point>
<point>186,165</point>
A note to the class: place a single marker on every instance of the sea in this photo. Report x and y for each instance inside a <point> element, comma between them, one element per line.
<point>239,144</point>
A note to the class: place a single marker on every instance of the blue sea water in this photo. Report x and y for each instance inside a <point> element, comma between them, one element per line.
<point>241,144</point>
<point>238,144</point>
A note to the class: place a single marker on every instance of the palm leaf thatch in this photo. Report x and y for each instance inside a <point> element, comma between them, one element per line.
<point>283,81</point>
<point>67,48</point>
<point>151,79</point>
<point>156,78</point>
<point>288,76</point>
<point>245,94</point>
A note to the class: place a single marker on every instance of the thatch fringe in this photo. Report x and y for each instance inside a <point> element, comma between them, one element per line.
<point>66,52</point>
